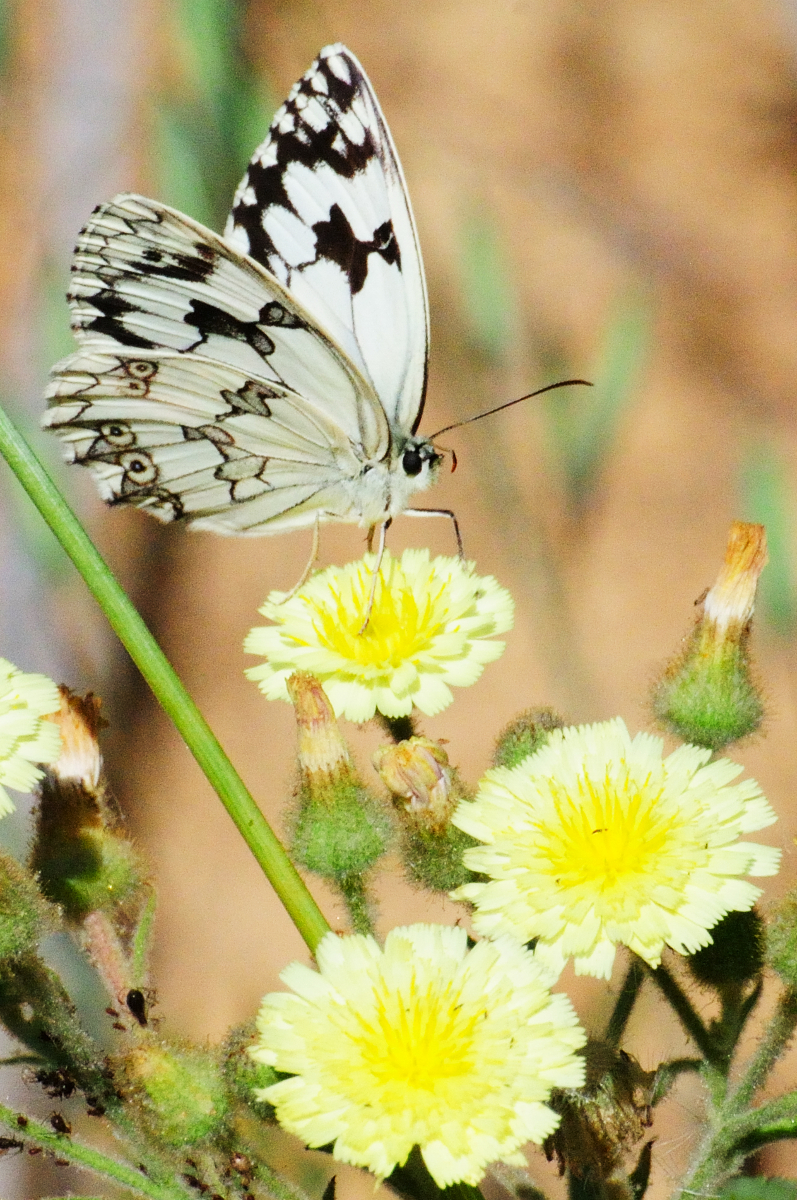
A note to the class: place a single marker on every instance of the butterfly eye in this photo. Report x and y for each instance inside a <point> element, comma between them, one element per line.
<point>412,462</point>
<point>117,434</point>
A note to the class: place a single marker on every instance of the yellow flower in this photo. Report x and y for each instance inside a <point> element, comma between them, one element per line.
<point>25,738</point>
<point>423,1043</point>
<point>428,631</point>
<point>595,840</point>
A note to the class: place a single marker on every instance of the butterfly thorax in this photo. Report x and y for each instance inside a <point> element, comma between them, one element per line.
<point>383,489</point>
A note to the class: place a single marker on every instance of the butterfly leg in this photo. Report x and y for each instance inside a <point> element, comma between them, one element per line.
<point>380,551</point>
<point>439,512</point>
<point>313,559</point>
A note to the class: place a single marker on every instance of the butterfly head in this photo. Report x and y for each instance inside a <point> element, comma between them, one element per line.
<point>419,461</point>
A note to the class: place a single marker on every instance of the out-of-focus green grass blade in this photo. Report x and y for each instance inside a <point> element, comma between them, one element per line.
<point>206,133</point>
<point>767,499</point>
<point>583,424</point>
<point>183,151</point>
<point>5,35</point>
<point>489,299</point>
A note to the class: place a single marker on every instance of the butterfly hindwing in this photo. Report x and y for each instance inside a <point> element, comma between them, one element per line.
<point>186,437</point>
<point>324,207</point>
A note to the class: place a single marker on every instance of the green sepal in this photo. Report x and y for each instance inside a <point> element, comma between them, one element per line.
<point>178,1092</point>
<point>243,1074</point>
<point>707,696</point>
<point>83,864</point>
<point>341,833</point>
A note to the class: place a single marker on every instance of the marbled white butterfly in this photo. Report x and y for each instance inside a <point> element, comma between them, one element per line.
<point>273,377</point>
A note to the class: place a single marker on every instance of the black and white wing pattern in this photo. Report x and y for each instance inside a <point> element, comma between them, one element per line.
<point>324,207</point>
<point>235,382</point>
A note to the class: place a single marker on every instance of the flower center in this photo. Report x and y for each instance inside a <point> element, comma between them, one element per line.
<point>610,831</point>
<point>419,1040</point>
<point>401,624</point>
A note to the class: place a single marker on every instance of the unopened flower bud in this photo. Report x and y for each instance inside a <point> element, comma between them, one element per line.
<point>707,695</point>
<point>428,788</point>
<point>524,735</point>
<point>179,1092</point>
<point>340,829</point>
<point>323,754</point>
<point>735,954</point>
<point>417,770</point>
<point>82,860</point>
<point>79,722</point>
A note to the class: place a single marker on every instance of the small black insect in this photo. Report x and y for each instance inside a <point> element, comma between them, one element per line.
<point>7,1144</point>
<point>60,1123</point>
<point>137,1005</point>
<point>22,1120</point>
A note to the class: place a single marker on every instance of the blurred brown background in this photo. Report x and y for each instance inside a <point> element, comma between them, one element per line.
<point>602,189</point>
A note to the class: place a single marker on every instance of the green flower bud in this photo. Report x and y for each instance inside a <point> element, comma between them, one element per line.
<point>427,789</point>
<point>25,916</point>
<point>707,695</point>
<point>781,947</point>
<point>524,735</point>
<point>735,955</point>
<point>83,862</point>
<point>179,1092</point>
<point>340,829</point>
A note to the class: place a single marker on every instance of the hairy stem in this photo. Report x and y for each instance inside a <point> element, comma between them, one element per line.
<point>777,1036</point>
<point>80,1155</point>
<point>165,684</point>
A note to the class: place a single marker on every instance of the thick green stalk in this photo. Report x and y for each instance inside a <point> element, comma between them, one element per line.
<point>166,686</point>
<point>79,1155</point>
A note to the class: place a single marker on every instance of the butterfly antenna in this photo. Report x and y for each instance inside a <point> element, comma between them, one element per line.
<point>548,388</point>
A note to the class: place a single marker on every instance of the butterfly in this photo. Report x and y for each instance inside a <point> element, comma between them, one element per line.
<point>272,378</point>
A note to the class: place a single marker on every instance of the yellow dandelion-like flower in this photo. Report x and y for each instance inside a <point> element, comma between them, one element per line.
<point>429,630</point>
<point>424,1043</point>
<point>596,840</point>
<point>25,738</point>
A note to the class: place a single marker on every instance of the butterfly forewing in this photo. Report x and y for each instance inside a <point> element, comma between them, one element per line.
<point>324,207</point>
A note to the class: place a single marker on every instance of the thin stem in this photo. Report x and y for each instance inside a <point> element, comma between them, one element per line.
<point>680,1002</point>
<point>354,891</point>
<point>165,684</point>
<point>624,1005</point>
<point>777,1036</point>
<point>80,1155</point>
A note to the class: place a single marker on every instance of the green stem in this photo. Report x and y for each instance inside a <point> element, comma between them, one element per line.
<point>777,1036</point>
<point>354,891</point>
<point>165,684</point>
<point>80,1155</point>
